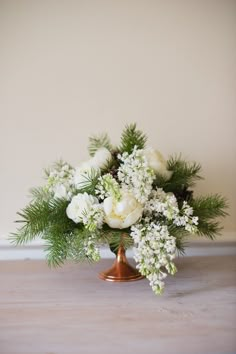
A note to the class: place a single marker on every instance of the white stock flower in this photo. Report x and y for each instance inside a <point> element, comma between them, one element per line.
<point>154,251</point>
<point>80,204</point>
<point>157,162</point>
<point>135,175</point>
<point>60,181</point>
<point>122,213</point>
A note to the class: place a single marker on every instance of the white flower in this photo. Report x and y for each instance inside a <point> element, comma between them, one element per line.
<point>157,162</point>
<point>97,162</point>
<point>135,175</point>
<point>80,204</point>
<point>101,157</point>
<point>82,173</point>
<point>60,181</point>
<point>60,191</point>
<point>122,213</point>
<point>154,251</point>
<point>108,187</point>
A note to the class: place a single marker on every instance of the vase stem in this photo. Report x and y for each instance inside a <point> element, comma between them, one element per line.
<point>121,269</point>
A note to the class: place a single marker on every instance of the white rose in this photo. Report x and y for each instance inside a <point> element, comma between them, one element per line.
<point>157,162</point>
<point>100,158</point>
<point>80,204</point>
<point>123,213</point>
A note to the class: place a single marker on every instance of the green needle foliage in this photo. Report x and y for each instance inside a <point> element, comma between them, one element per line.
<point>132,137</point>
<point>116,237</point>
<point>185,174</point>
<point>97,142</point>
<point>180,235</point>
<point>90,182</point>
<point>208,209</point>
<point>63,238</point>
<point>40,193</point>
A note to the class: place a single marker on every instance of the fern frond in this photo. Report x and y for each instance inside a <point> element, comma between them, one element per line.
<point>132,137</point>
<point>97,142</point>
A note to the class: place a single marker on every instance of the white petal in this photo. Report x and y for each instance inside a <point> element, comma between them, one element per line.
<point>133,217</point>
<point>115,223</point>
<point>107,205</point>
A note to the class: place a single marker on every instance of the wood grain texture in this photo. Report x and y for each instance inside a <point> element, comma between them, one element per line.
<point>69,310</point>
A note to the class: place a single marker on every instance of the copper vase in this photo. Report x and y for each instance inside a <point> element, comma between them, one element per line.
<point>121,269</point>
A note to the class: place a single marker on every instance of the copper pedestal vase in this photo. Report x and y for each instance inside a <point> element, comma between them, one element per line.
<point>121,269</point>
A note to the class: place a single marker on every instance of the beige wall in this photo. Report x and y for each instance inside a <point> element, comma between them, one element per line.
<point>72,68</point>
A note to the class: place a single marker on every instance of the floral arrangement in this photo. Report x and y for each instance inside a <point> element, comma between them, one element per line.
<point>130,189</point>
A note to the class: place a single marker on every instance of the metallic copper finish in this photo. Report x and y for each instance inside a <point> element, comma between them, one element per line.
<point>121,269</point>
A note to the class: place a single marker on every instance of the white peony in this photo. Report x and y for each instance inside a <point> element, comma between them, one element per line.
<point>157,162</point>
<point>122,213</point>
<point>80,204</point>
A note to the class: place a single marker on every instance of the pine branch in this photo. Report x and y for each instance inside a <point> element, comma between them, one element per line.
<point>56,245</point>
<point>209,229</point>
<point>56,166</point>
<point>97,142</point>
<point>40,193</point>
<point>90,182</point>
<point>38,216</point>
<point>132,137</point>
<point>210,206</point>
<point>180,235</point>
<point>116,237</point>
<point>76,248</point>
<point>110,165</point>
<point>185,174</point>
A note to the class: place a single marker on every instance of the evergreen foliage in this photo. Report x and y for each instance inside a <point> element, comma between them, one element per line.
<point>116,237</point>
<point>209,208</point>
<point>184,175</point>
<point>132,137</point>
<point>97,142</point>
<point>90,182</point>
<point>180,237</point>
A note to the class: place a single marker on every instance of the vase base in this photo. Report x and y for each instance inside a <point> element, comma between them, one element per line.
<point>121,272</point>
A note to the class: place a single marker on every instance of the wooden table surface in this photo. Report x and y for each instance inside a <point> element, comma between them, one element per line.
<point>69,310</point>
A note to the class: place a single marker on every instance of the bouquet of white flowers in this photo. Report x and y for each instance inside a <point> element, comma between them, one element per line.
<point>130,189</point>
